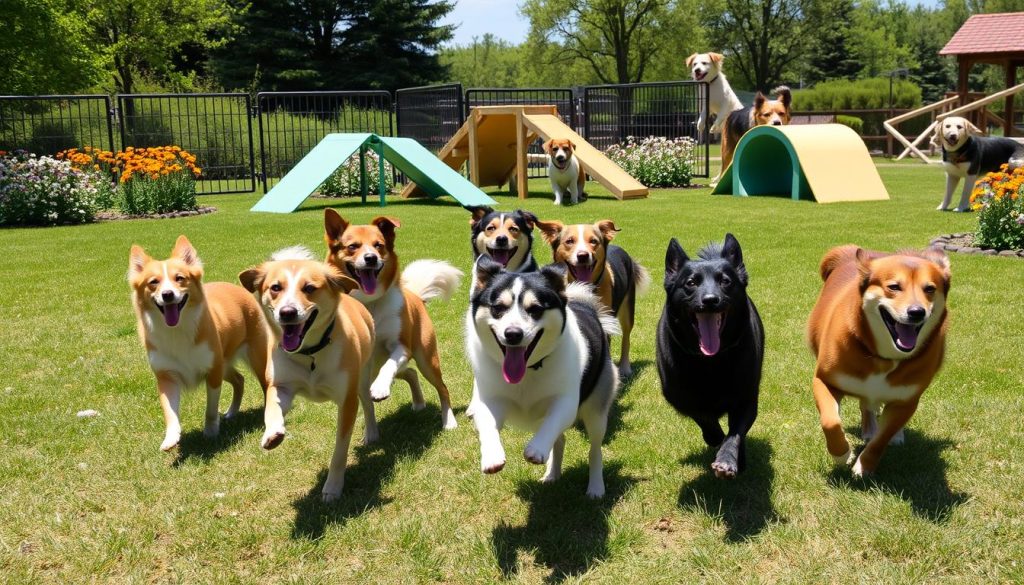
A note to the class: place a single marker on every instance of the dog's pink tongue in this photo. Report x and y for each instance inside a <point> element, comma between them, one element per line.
<point>292,338</point>
<point>708,326</point>
<point>172,313</point>
<point>502,256</point>
<point>583,273</point>
<point>906,336</point>
<point>367,280</point>
<point>514,366</point>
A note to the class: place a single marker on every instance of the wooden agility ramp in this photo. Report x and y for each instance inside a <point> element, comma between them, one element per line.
<point>494,141</point>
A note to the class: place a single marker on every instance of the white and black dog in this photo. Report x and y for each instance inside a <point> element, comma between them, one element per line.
<point>504,236</point>
<point>540,355</point>
<point>966,156</point>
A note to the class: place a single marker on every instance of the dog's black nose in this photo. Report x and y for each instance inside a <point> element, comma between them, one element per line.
<point>777,123</point>
<point>710,300</point>
<point>916,313</point>
<point>288,314</point>
<point>167,296</point>
<point>370,259</point>
<point>501,240</point>
<point>583,257</point>
<point>513,335</point>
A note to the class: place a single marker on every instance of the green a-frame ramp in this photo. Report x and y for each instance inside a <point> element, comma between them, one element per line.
<point>405,154</point>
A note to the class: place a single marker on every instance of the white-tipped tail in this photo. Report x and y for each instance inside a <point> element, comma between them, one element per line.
<point>643,278</point>
<point>293,253</point>
<point>431,279</point>
<point>583,292</point>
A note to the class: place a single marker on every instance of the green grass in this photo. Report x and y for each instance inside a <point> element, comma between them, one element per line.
<point>95,500</point>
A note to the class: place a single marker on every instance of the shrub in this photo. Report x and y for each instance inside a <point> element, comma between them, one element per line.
<point>45,191</point>
<point>656,161</point>
<point>842,94</point>
<point>1000,206</point>
<point>853,122</point>
<point>344,182</point>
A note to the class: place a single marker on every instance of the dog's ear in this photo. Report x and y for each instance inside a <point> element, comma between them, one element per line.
<point>690,59</point>
<point>387,226</point>
<point>973,129</point>
<point>759,101</point>
<point>252,279</point>
<point>137,260</point>
<point>785,96</point>
<point>338,281</point>
<point>937,137</point>
<point>478,213</point>
<point>548,146</point>
<point>484,271</point>
<point>529,218</point>
<point>675,258</point>
<point>939,258</point>
<point>607,229</point>
<point>550,230</point>
<point>716,58</point>
<point>732,253</point>
<point>554,274</point>
<point>863,267</point>
<point>334,226</point>
<point>184,251</point>
<point>572,145</point>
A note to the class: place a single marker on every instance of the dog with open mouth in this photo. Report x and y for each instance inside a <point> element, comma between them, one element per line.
<point>507,237</point>
<point>590,257</point>
<point>322,347</point>
<point>710,347</point>
<point>396,299</point>
<point>194,331</point>
<point>540,355</point>
<point>967,154</point>
<point>878,331</point>
<point>565,171</point>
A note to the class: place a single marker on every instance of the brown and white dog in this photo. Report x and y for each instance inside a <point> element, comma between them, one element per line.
<point>194,331</point>
<point>721,98</point>
<point>764,112</point>
<point>587,252</point>
<point>322,347</point>
<point>396,300</point>
<point>564,170</point>
<point>878,331</point>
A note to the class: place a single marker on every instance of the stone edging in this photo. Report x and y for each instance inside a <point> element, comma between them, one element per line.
<point>200,211</point>
<point>954,243</point>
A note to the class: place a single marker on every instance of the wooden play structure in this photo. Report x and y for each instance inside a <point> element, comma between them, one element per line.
<point>494,141</point>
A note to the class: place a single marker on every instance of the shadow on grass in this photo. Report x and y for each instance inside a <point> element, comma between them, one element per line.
<point>913,471</point>
<point>194,446</point>
<point>566,531</point>
<point>620,408</point>
<point>744,504</point>
<point>404,433</point>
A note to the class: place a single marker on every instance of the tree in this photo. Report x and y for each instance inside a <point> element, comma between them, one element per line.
<point>831,56</point>
<point>875,42</point>
<point>43,50</point>
<point>267,51</point>
<point>486,62</point>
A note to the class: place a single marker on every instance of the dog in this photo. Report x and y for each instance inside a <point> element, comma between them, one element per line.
<point>194,331</point>
<point>396,299</point>
<point>540,357</point>
<point>507,237</point>
<point>966,155</point>
<point>710,347</point>
<point>764,112</point>
<point>564,170</point>
<point>878,331</point>
<point>721,98</point>
<point>322,347</point>
<point>587,253</point>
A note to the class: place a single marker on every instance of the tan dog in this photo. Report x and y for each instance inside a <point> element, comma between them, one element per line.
<point>587,252</point>
<point>396,301</point>
<point>879,333</point>
<point>764,112</point>
<point>564,170</point>
<point>193,331</point>
<point>322,349</point>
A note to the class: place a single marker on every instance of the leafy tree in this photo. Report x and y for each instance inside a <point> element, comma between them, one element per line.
<point>875,42</point>
<point>43,49</point>
<point>831,55</point>
<point>486,62</point>
<point>267,51</point>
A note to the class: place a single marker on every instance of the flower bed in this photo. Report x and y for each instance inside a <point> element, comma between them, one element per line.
<point>656,161</point>
<point>997,199</point>
<point>47,191</point>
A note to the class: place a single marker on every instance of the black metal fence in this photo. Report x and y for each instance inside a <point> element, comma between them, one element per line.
<point>48,124</point>
<point>431,115</point>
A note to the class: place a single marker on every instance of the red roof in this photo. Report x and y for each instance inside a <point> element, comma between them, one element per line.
<point>988,33</point>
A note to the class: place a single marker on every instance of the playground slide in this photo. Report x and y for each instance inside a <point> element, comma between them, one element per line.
<point>826,163</point>
<point>406,155</point>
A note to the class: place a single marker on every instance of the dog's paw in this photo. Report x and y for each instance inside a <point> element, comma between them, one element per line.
<point>492,462</point>
<point>551,476</point>
<point>725,470</point>
<point>625,372</point>
<point>330,495</point>
<point>380,390</point>
<point>171,441</point>
<point>371,436</point>
<point>941,207</point>
<point>595,489</point>
<point>418,406</point>
<point>860,470</point>
<point>272,438</point>
<point>448,421</point>
<point>962,210</point>
<point>844,459</point>
<point>212,428</point>
<point>535,455</point>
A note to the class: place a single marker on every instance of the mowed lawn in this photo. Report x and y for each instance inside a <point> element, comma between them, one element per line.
<point>95,500</point>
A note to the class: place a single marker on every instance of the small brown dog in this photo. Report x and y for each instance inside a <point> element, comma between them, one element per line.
<point>564,170</point>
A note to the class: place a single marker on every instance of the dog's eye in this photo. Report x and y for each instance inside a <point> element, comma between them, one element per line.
<point>353,247</point>
<point>513,230</point>
<point>570,241</point>
<point>379,245</point>
<point>309,289</point>
<point>929,289</point>
<point>276,288</point>
<point>179,279</point>
<point>154,281</point>
<point>690,282</point>
<point>726,281</point>
<point>490,228</point>
<point>536,311</point>
<point>498,310</point>
<point>894,287</point>
<point>594,241</point>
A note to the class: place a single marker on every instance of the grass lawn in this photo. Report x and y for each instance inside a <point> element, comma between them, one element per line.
<point>95,500</point>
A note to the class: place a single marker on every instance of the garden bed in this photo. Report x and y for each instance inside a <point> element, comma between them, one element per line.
<point>963,243</point>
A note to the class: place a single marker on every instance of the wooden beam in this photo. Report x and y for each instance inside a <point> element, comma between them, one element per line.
<point>1008,117</point>
<point>521,144</point>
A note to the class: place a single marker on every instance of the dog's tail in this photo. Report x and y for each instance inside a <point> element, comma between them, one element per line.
<point>642,278</point>
<point>430,279</point>
<point>583,292</point>
<point>835,257</point>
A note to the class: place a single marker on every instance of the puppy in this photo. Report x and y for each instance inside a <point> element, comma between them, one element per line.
<point>721,99</point>
<point>564,170</point>
<point>764,112</point>
<point>396,301</point>
<point>878,331</point>
<point>589,256</point>
<point>194,331</point>
<point>710,347</point>
<point>966,156</point>
<point>322,347</point>
<point>507,237</point>
<point>540,358</point>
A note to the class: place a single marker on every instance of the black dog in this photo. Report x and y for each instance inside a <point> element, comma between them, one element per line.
<point>507,237</point>
<point>711,346</point>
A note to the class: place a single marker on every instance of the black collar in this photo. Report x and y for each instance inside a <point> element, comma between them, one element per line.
<point>539,364</point>
<point>325,340</point>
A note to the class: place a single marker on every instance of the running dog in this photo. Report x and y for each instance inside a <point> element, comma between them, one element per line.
<point>721,98</point>
<point>878,332</point>
<point>764,112</point>
<point>966,155</point>
<point>396,299</point>
<point>565,171</point>
<point>322,347</point>
<point>540,357</point>
<point>710,347</point>
<point>589,256</point>
<point>194,331</point>
<point>507,237</point>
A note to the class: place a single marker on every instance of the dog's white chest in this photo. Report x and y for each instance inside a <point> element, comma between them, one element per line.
<point>567,176</point>
<point>957,169</point>
<point>875,389</point>
<point>387,316</point>
<point>189,360</point>
<point>317,377</point>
